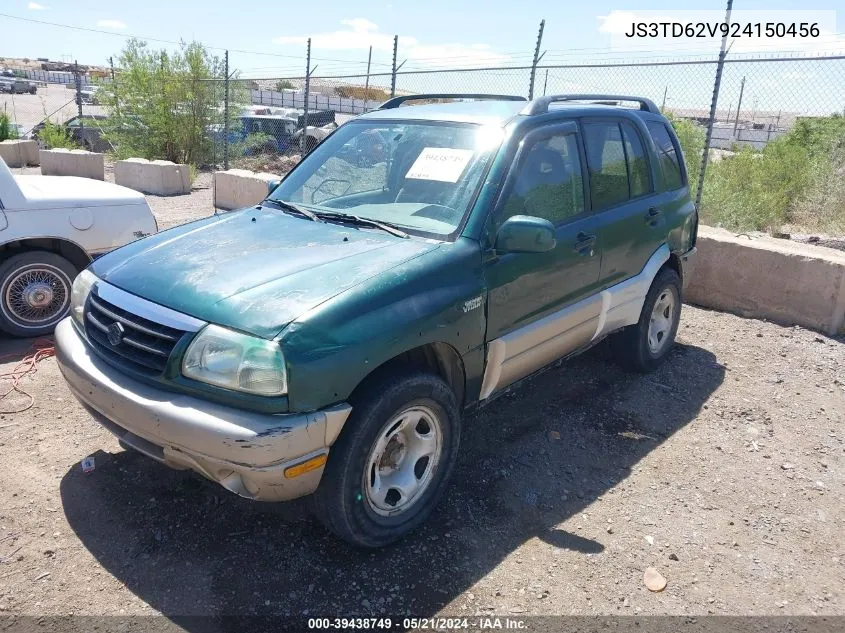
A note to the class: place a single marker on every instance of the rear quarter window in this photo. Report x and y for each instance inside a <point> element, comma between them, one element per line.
<point>667,154</point>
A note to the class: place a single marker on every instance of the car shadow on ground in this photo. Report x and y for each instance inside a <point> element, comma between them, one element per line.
<point>529,460</point>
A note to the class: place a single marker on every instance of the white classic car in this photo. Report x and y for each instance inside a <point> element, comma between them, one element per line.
<point>51,227</point>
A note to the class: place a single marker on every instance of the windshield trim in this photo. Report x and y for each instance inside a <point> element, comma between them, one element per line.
<point>413,231</point>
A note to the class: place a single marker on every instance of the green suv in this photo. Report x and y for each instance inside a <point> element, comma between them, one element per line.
<point>417,263</point>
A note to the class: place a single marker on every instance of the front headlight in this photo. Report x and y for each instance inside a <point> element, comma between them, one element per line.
<point>79,294</point>
<point>236,361</point>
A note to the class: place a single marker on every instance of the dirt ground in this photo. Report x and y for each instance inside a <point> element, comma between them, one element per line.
<point>723,470</point>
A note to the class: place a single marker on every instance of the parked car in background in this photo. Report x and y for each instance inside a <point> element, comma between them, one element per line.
<point>280,132</point>
<point>328,340</point>
<point>17,85</point>
<point>51,227</point>
<point>88,94</point>
<point>86,130</point>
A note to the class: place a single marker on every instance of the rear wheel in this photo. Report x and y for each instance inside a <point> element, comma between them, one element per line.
<point>391,463</point>
<point>643,346</point>
<point>34,292</point>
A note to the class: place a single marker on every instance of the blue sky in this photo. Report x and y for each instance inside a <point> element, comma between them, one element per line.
<point>448,34</point>
<point>432,33</point>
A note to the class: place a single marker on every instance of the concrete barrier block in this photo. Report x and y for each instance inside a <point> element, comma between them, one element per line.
<point>158,177</point>
<point>239,188</point>
<point>75,162</point>
<point>19,153</point>
<point>767,278</point>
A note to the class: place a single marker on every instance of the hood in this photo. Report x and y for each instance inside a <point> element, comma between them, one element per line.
<point>50,192</point>
<point>255,270</point>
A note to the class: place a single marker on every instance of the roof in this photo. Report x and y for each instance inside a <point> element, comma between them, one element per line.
<point>489,112</point>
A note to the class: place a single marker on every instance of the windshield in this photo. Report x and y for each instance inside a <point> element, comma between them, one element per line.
<point>419,176</point>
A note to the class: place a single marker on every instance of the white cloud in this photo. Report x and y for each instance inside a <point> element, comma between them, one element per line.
<point>111,24</point>
<point>362,33</point>
<point>34,6</point>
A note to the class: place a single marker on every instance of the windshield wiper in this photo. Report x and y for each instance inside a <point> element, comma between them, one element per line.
<point>290,207</point>
<point>357,219</point>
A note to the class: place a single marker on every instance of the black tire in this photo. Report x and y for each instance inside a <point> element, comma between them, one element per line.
<point>631,345</point>
<point>19,276</point>
<point>341,502</point>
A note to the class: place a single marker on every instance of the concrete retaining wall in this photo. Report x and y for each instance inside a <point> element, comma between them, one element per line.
<point>238,188</point>
<point>158,177</point>
<point>19,153</point>
<point>76,162</point>
<point>767,278</point>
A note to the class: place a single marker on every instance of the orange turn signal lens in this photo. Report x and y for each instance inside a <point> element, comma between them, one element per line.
<point>307,466</point>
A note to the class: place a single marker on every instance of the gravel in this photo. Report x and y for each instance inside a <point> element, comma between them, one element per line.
<point>730,457</point>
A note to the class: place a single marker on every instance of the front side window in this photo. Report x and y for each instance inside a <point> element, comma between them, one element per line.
<point>548,182</point>
<point>422,177</point>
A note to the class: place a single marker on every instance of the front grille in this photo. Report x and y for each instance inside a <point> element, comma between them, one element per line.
<point>143,345</point>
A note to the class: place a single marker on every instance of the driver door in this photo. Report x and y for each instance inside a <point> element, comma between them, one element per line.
<point>542,306</point>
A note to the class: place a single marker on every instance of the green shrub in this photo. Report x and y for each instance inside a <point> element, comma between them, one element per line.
<point>7,130</point>
<point>56,136</point>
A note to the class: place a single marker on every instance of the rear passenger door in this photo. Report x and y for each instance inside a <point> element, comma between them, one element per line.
<point>622,186</point>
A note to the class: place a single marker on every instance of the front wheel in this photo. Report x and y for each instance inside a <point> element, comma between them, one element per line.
<point>34,292</point>
<point>392,461</point>
<point>643,346</point>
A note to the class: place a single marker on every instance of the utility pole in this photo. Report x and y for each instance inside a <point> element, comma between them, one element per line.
<point>226,110</point>
<point>536,60</point>
<point>545,82</point>
<point>367,85</point>
<point>663,105</point>
<point>393,74</point>
<point>739,104</point>
<point>307,90</point>
<point>713,103</point>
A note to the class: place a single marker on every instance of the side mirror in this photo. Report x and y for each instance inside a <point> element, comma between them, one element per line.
<point>525,234</point>
<point>272,184</point>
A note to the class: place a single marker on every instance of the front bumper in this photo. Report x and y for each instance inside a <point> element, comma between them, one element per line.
<point>243,451</point>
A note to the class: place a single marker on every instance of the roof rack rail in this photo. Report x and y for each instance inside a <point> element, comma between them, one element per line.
<point>541,105</point>
<point>395,102</point>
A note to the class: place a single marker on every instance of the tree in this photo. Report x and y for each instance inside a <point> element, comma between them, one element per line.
<point>165,105</point>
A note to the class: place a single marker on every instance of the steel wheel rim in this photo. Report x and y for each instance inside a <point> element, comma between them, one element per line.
<point>36,296</point>
<point>403,460</point>
<point>661,321</point>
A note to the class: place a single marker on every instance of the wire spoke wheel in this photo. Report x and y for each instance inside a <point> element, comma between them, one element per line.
<point>402,463</point>
<point>36,296</point>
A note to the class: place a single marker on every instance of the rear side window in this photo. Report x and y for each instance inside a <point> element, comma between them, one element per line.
<point>606,160</point>
<point>668,155</point>
<point>637,164</point>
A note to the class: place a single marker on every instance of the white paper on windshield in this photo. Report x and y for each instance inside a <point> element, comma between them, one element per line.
<point>440,163</point>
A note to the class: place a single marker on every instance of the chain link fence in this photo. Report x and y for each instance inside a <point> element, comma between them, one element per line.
<point>777,143</point>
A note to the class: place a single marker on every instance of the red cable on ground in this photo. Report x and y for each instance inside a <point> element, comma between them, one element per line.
<point>41,348</point>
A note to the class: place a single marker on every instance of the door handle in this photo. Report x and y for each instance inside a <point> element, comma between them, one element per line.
<point>585,241</point>
<point>651,217</point>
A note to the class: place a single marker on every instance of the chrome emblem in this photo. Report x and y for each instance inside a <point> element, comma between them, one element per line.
<point>115,334</point>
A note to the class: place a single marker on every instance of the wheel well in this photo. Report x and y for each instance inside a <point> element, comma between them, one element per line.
<point>440,359</point>
<point>74,253</point>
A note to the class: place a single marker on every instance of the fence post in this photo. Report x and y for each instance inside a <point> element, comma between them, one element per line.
<point>393,74</point>
<point>307,90</point>
<point>739,104</point>
<point>226,110</point>
<point>78,82</point>
<point>536,60</point>
<point>713,103</point>
<point>367,85</point>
